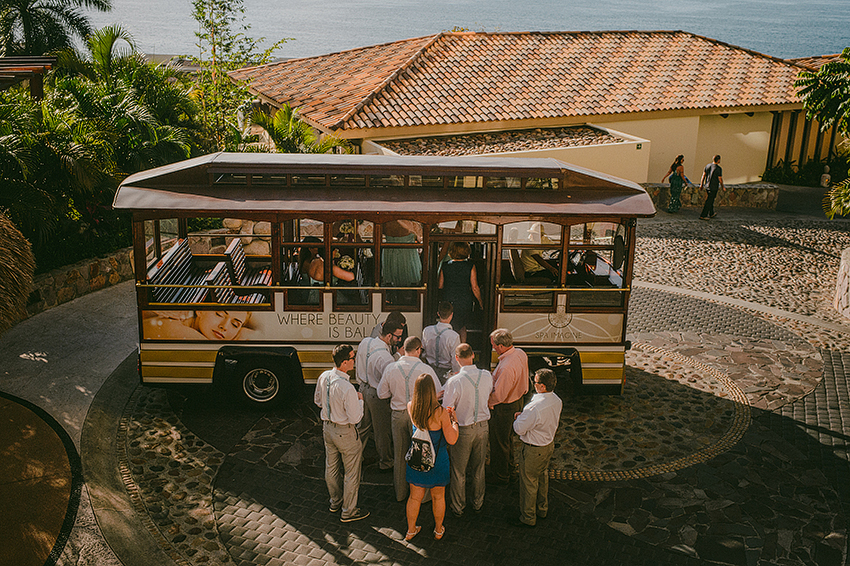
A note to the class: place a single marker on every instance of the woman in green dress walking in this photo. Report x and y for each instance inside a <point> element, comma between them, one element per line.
<point>677,181</point>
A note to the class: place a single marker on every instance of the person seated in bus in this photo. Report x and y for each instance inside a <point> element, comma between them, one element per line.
<point>439,341</point>
<point>459,284</point>
<point>532,259</point>
<point>313,264</point>
<point>198,325</point>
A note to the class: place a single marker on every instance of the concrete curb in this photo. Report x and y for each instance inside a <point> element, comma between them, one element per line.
<point>743,305</point>
<point>122,525</point>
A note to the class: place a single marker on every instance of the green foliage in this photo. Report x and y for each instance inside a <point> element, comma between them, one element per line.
<point>224,46</point>
<point>826,97</point>
<point>826,93</point>
<point>787,172</point>
<point>204,224</point>
<point>102,118</point>
<point>37,27</point>
<point>837,201</point>
<point>292,135</point>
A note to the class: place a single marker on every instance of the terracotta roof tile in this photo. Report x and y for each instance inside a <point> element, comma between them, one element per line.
<point>481,77</point>
<point>816,62</point>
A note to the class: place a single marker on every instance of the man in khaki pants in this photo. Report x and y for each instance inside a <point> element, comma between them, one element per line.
<point>536,426</point>
<point>467,392</point>
<point>342,409</point>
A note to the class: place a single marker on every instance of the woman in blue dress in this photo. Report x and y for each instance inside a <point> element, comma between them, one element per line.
<point>427,414</point>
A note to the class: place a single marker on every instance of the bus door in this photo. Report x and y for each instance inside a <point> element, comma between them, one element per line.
<point>483,257</point>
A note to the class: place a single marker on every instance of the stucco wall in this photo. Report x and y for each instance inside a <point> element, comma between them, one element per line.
<point>622,160</point>
<point>669,137</point>
<point>742,142</point>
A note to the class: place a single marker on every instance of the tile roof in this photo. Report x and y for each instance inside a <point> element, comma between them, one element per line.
<point>456,78</point>
<point>816,62</point>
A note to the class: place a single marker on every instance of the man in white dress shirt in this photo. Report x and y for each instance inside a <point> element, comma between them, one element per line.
<point>397,386</point>
<point>467,392</point>
<point>440,341</point>
<point>373,356</point>
<point>536,426</point>
<point>342,409</point>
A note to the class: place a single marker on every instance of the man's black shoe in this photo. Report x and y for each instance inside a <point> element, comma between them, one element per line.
<point>519,523</point>
<point>455,513</point>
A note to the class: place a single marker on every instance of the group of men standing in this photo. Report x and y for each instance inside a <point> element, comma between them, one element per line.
<point>488,407</point>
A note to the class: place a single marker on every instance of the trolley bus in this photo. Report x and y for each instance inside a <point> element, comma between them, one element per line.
<point>251,267</point>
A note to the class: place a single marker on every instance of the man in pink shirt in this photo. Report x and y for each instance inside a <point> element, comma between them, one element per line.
<point>510,384</point>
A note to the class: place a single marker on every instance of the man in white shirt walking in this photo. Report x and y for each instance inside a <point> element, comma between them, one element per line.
<point>467,392</point>
<point>397,385</point>
<point>373,356</point>
<point>342,409</point>
<point>440,341</point>
<point>536,426</point>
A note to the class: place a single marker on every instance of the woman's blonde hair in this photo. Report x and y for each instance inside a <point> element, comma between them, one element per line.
<point>423,402</point>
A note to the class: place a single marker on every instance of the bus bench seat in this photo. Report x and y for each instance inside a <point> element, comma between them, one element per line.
<point>220,276</point>
<point>174,268</point>
<point>237,266</point>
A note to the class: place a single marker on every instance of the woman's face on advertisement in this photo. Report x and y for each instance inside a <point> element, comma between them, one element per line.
<point>220,325</point>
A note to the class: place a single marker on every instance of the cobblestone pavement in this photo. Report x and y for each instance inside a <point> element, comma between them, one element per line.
<point>728,445</point>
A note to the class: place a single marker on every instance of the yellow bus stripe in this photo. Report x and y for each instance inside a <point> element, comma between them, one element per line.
<point>591,375</point>
<point>185,372</point>
<point>602,357</point>
<point>315,356</point>
<point>149,356</point>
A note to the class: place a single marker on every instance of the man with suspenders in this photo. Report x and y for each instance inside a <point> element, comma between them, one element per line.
<point>342,409</point>
<point>467,392</point>
<point>397,385</point>
<point>373,356</point>
<point>440,341</point>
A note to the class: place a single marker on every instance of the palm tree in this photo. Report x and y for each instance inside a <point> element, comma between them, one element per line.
<point>17,265</point>
<point>826,97</point>
<point>292,135</point>
<point>36,27</point>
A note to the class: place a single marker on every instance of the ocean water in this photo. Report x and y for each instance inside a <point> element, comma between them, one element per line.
<point>781,28</point>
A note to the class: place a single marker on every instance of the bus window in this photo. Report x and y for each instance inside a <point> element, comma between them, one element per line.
<point>533,252</point>
<point>301,254</point>
<point>597,266</point>
<point>545,183</point>
<point>464,227</point>
<point>401,261</point>
<point>593,233</point>
<point>168,233</point>
<point>353,253</point>
<point>151,228</point>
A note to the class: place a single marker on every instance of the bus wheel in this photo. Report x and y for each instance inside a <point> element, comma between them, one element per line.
<point>261,384</point>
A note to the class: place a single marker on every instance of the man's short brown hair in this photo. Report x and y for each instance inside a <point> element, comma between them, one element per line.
<point>445,310</point>
<point>341,353</point>
<point>547,377</point>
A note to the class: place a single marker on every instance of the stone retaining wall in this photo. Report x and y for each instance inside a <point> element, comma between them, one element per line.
<point>842,285</point>
<point>67,283</point>
<point>751,195</point>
